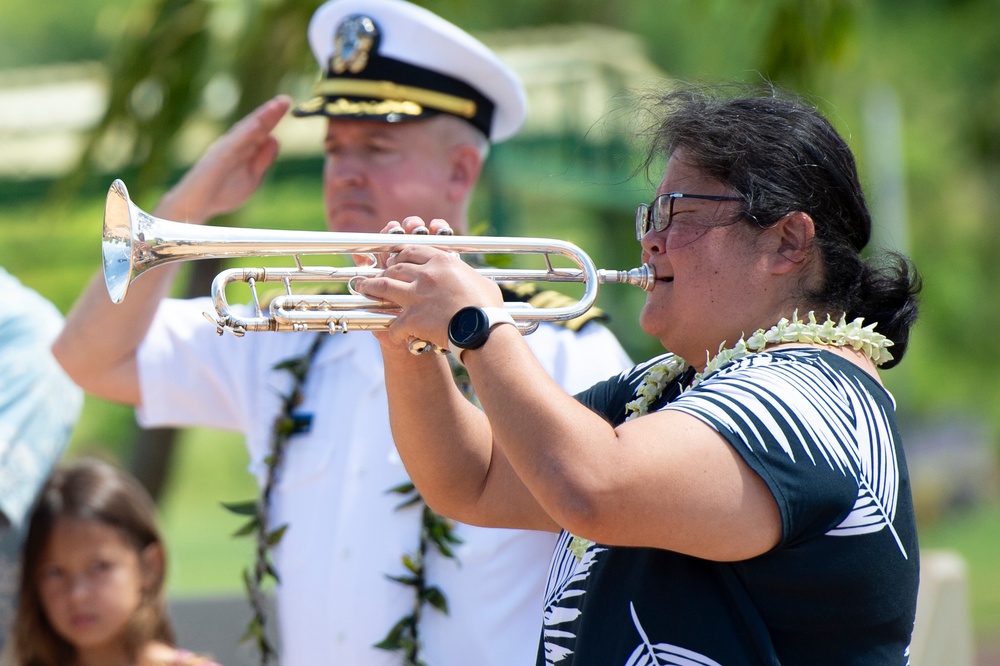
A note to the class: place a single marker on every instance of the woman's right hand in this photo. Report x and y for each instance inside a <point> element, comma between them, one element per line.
<point>429,284</point>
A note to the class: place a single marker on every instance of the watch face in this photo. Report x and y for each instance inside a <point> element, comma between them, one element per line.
<point>469,328</point>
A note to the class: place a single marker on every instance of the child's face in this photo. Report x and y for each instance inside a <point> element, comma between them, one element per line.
<point>90,583</point>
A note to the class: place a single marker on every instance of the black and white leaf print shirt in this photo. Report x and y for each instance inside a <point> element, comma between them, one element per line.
<point>840,588</point>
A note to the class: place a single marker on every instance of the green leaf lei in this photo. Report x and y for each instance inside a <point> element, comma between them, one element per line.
<point>840,334</point>
<point>266,539</point>
<point>436,531</point>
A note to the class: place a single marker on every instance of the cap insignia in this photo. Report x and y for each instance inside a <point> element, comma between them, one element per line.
<point>354,39</point>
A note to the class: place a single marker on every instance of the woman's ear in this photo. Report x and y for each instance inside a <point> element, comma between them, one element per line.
<point>793,234</point>
<point>153,564</point>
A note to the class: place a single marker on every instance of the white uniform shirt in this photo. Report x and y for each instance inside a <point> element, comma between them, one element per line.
<point>345,533</point>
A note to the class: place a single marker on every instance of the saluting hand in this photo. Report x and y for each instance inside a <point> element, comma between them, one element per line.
<point>230,170</point>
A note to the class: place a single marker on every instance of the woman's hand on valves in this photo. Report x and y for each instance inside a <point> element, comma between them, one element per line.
<point>429,284</point>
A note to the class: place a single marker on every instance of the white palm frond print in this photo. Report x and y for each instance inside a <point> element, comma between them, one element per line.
<point>878,475</point>
<point>830,418</point>
<point>663,654</point>
<point>566,576</point>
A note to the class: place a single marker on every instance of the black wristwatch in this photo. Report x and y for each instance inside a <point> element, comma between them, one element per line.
<point>470,327</point>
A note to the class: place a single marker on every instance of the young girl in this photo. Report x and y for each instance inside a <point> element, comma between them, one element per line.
<point>92,582</point>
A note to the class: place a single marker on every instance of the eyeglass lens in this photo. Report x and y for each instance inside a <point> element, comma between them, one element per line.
<point>654,216</point>
<point>660,213</point>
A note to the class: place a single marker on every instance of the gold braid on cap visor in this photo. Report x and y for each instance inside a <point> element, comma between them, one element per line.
<point>387,90</point>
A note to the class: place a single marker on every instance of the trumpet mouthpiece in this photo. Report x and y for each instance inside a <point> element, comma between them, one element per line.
<point>643,277</point>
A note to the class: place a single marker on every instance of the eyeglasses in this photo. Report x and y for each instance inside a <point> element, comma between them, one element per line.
<point>659,214</point>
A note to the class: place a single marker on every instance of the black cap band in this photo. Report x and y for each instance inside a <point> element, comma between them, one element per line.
<point>375,93</point>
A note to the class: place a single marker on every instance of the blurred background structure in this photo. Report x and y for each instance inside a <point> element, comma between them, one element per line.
<point>98,89</point>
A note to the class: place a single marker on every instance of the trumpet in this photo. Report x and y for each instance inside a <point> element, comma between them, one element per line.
<point>135,241</point>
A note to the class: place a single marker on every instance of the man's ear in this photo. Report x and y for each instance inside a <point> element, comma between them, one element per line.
<point>466,165</point>
<point>793,235</point>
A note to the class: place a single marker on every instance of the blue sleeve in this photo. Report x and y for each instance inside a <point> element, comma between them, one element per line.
<point>39,404</point>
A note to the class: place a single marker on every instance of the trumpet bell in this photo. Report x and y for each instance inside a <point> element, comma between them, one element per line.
<point>116,243</point>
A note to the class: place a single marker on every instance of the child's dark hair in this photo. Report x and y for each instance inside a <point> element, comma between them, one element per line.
<point>88,489</point>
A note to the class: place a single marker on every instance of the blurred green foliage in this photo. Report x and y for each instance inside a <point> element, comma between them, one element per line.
<point>34,33</point>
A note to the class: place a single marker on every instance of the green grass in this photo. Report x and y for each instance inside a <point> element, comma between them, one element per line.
<point>975,534</point>
<point>209,468</point>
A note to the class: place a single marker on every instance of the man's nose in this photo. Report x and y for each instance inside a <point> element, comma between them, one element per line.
<point>345,171</point>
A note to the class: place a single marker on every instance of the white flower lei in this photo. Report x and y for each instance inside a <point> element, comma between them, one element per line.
<point>842,334</point>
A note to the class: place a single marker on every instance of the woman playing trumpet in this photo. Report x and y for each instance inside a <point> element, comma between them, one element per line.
<point>742,499</point>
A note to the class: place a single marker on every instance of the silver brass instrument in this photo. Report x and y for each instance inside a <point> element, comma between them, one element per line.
<point>135,241</point>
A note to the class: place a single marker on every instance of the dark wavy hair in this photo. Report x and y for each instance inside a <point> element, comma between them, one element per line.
<point>781,155</point>
<point>88,489</point>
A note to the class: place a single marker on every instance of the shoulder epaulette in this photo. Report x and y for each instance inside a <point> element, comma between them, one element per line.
<point>528,293</point>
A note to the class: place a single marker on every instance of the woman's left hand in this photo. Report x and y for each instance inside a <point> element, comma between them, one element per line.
<point>430,285</point>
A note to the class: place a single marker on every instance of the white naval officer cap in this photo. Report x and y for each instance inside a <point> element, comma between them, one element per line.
<point>393,61</point>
